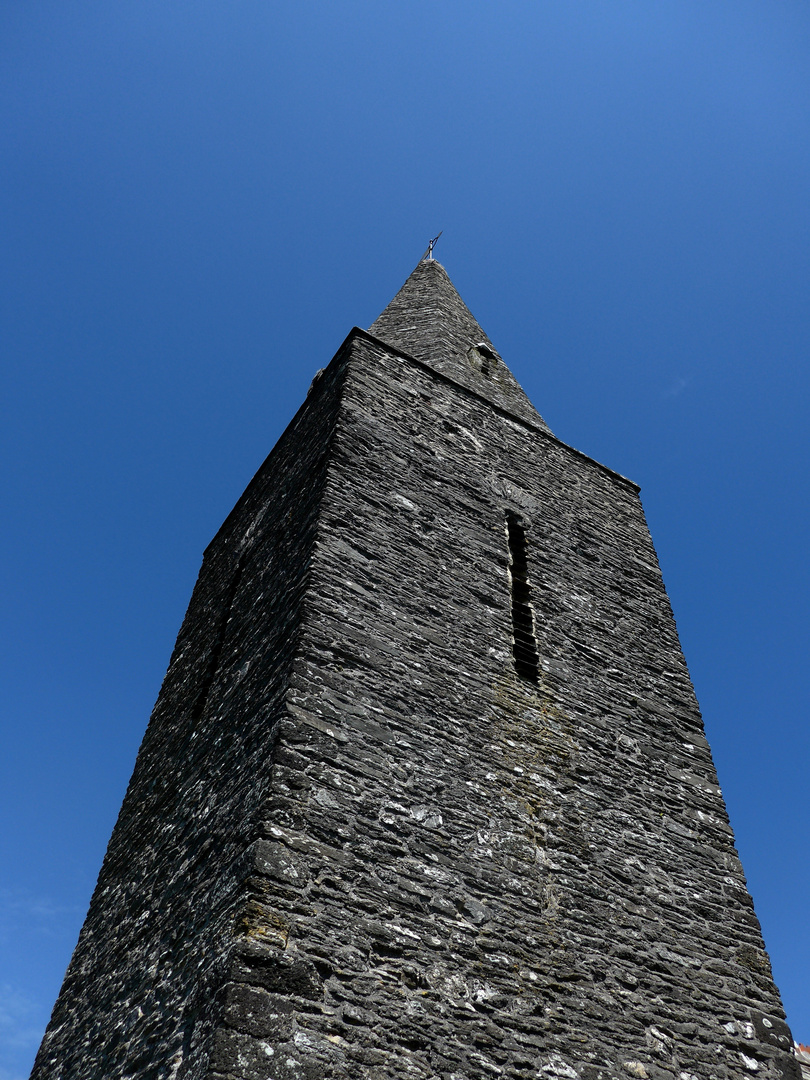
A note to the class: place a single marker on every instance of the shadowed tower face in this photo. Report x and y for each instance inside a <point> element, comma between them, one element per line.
<point>426,792</point>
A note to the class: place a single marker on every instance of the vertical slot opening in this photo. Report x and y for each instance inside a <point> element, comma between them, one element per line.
<point>216,649</point>
<point>524,642</point>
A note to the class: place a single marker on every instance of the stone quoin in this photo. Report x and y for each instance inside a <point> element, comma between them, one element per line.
<point>426,793</point>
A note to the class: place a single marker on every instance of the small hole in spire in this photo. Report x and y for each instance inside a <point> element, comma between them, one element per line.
<point>482,357</point>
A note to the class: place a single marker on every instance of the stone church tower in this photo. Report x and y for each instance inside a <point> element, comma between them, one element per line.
<point>426,794</point>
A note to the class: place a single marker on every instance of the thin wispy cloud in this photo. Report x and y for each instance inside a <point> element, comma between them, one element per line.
<point>22,911</point>
<point>677,387</point>
<point>22,1021</point>
<point>6,1075</point>
<point>29,923</point>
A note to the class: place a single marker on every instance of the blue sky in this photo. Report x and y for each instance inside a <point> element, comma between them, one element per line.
<point>201,199</point>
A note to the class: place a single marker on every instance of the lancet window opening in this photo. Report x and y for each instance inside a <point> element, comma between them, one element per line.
<point>218,642</point>
<point>524,642</point>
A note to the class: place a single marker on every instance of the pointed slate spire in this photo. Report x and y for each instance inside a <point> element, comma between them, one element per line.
<point>428,320</point>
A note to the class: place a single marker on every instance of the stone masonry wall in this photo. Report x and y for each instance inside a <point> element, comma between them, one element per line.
<point>358,845</point>
<point>460,874</point>
<point>141,994</point>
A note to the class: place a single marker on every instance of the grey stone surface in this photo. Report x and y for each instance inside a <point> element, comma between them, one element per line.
<point>429,321</point>
<point>357,843</point>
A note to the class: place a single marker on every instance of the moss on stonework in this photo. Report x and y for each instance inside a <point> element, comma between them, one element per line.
<point>260,923</point>
<point>533,735</point>
<point>755,960</point>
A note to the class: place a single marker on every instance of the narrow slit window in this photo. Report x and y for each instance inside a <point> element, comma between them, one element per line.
<point>219,640</point>
<point>524,643</point>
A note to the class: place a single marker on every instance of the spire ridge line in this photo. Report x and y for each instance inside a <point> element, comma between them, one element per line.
<point>428,320</point>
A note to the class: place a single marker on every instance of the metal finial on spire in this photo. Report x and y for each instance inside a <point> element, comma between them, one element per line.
<point>429,253</point>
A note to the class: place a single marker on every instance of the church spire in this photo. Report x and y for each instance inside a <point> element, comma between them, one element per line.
<point>428,320</point>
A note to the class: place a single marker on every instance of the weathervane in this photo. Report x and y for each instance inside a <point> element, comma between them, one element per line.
<point>429,253</point>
